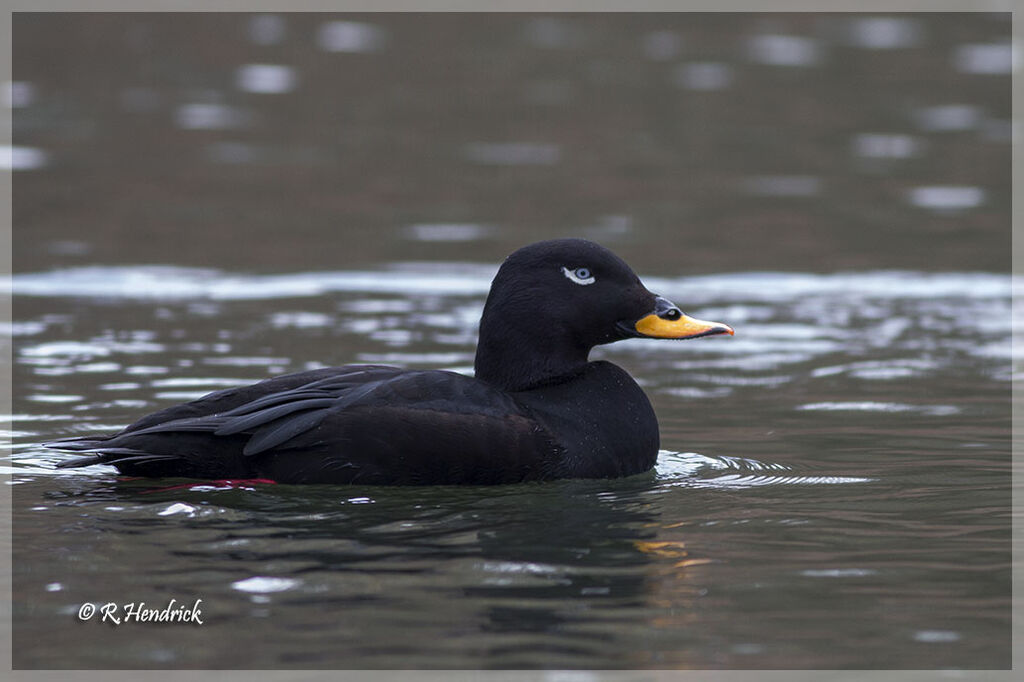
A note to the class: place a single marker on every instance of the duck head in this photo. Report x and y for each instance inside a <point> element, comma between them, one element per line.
<point>552,301</point>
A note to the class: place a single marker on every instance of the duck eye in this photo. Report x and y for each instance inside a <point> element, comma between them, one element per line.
<point>579,275</point>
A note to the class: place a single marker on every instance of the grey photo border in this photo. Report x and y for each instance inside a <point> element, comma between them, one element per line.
<point>6,263</point>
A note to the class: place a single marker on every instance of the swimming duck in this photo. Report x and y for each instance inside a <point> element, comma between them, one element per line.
<point>536,409</point>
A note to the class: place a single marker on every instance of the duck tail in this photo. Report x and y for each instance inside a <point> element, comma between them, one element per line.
<point>76,462</point>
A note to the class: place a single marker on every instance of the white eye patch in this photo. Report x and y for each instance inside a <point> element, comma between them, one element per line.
<point>581,276</point>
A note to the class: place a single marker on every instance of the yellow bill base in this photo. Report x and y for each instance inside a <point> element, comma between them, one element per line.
<point>683,328</point>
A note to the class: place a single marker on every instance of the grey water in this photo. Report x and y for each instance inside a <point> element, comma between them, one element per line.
<point>831,487</point>
<point>297,191</point>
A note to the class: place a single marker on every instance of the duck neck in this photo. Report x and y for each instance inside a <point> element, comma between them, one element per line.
<point>516,361</point>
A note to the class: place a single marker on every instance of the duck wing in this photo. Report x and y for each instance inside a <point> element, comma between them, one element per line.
<point>208,413</point>
<point>372,424</point>
<point>417,428</point>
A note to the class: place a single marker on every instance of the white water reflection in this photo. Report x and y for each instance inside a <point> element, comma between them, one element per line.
<point>62,352</point>
<point>692,469</point>
<point>350,36</point>
<point>784,50</point>
<point>947,198</point>
<point>264,584</point>
<point>23,158</point>
<point>703,76</point>
<point>23,328</point>
<point>750,290</point>
<point>762,362</point>
<point>936,636</point>
<point>886,146</point>
<point>880,369</point>
<point>267,79</point>
<point>18,94</point>
<point>120,386</point>
<point>172,283</point>
<point>300,320</point>
<point>206,116</point>
<point>872,406</point>
<point>985,59</point>
<point>838,572</point>
<point>949,117</point>
<point>884,33</point>
<point>178,508</point>
<point>448,232</point>
<point>214,382</point>
<point>53,398</point>
<point>267,29</point>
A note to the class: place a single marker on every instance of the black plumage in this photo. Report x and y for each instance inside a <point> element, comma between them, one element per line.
<point>537,408</point>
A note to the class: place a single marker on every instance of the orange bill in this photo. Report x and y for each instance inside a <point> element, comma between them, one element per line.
<point>679,327</point>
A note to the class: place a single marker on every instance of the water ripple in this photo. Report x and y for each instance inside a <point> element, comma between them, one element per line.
<point>873,406</point>
<point>176,283</point>
<point>692,469</point>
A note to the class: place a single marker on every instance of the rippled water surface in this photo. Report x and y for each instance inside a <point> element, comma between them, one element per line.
<point>297,191</point>
<point>833,483</point>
